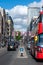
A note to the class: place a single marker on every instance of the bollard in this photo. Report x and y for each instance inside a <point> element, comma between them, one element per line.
<point>21,54</point>
<point>21,51</point>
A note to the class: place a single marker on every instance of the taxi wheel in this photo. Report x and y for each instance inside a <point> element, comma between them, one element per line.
<point>15,49</point>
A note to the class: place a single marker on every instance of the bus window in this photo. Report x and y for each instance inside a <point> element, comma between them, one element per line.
<point>41,38</point>
<point>42,18</point>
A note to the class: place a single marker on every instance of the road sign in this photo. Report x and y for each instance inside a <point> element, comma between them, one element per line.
<point>21,49</point>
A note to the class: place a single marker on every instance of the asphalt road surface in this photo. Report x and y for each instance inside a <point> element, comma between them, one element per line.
<point>14,58</point>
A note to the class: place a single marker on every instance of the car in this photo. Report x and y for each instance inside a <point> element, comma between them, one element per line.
<point>2,44</point>
<point>28,45</point>
<point>16,44</point>
<point>11,46</point>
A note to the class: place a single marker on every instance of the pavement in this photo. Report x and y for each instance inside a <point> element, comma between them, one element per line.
<point>3,50</point>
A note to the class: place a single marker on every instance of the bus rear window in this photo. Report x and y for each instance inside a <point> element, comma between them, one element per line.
<point>42,18</point>
<point>41,38</point>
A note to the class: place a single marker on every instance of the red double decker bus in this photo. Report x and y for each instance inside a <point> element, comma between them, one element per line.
<point>37,40</point>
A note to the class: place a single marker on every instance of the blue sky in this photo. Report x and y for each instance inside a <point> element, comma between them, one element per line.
<point>8,4</point>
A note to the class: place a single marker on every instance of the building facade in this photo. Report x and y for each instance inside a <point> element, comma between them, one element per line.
<point>0,28</point>
<point>6,26</point>
<point>32,11</point>
<point>10,27</point>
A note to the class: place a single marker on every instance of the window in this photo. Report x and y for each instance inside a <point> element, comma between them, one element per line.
<point>42,18</point>
<point>41,38</point>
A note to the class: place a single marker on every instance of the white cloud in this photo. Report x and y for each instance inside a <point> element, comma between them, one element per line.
<point>17,20</point>
<point>25,21</point>
<point>20,21</point>
<point>18,26</point>
<point>18,10</point>
<point>22,30</point>
<point>7,10</point>
<point>36,4</point>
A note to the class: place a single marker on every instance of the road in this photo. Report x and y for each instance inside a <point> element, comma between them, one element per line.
<point>14,58</point>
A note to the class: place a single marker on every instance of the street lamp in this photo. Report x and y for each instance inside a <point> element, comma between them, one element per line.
<point>9,30</point>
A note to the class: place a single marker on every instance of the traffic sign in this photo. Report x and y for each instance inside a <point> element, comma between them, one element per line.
<point>21,49</point>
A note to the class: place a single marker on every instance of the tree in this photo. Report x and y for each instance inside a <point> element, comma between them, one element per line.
<point>18,36</point>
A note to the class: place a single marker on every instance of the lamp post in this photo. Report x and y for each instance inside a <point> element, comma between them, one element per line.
<point>9,31</point>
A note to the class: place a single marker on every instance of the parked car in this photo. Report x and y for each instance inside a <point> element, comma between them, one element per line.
<point>11,46</point>
<point>16,44</point>
<point>2,44</point>
<point>28,45</point>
